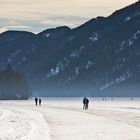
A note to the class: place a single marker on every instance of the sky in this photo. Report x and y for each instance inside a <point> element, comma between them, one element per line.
<point>38,15</point>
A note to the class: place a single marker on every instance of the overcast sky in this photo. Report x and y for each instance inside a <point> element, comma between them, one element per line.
<point>38,15</point>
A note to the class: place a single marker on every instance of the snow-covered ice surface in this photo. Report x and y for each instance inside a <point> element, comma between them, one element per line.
<point>19,124</point>
<point>64,119</point>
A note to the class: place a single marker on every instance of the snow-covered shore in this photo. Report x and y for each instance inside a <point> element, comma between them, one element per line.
<point>65,120</point>
<point>17,123</point>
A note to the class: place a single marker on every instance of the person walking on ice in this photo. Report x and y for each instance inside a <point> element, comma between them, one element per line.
<point>39,102</point>
<point>85,103</point>
<point>36,100</point>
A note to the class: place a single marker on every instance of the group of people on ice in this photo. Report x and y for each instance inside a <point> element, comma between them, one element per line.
<point>37,100</point>
<point>85,103</point>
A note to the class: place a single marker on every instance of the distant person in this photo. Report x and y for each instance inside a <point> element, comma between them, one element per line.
<point>40,102</point>
<point>36,100</point>
<point>85,103</point>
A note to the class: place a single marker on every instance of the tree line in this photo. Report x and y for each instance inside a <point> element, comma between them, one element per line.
<point>13,85</point>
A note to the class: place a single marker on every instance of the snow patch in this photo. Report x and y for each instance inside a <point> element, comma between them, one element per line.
<point>135,36</point>
<point>75,54</point>
<point>12,56</point>
<point>58,68</point>
<point>94,37</point>
<point>130,42</point>
<point>120,64</point>
<point>122,43</point>
<point>53,72</point>
<point>127,19</point>
<point>16,53</point>
<point>47,35</point>
<point>122,47</point>
<point>89,64</point>
<point>122,78</point>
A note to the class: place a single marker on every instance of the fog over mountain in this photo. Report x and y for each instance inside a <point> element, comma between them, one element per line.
<point>98,58</point>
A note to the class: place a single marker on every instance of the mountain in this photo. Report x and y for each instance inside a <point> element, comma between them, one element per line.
<point>98,58</point>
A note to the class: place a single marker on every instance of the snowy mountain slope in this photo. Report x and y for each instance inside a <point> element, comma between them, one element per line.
<point>97,57</point>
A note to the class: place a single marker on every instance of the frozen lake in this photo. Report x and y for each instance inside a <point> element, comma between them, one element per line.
<point>64,119</point>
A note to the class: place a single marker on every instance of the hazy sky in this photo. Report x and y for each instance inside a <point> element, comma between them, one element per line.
<point>38,15</point>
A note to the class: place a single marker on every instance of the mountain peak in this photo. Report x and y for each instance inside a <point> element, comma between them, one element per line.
<point>57,29</point>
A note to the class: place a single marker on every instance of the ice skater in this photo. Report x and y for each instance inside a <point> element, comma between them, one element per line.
<point>36,100</point>
<point>39,102</point>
